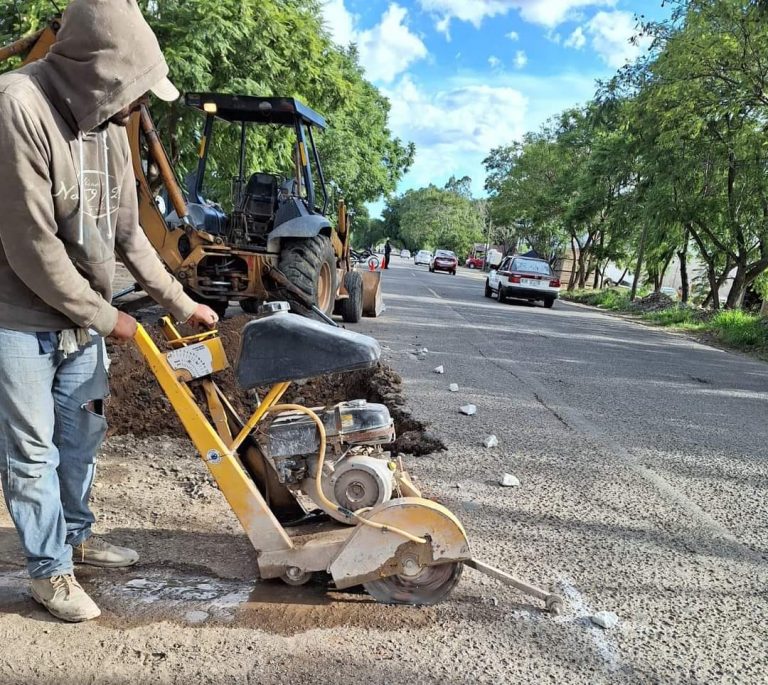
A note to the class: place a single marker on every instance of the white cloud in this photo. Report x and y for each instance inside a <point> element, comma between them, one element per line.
<point>387,49</point>
<point>548,13</point>
<point>454,129</point>
<point>577,39</point>
<point>513,36</point>
<point>494,61</point>
<point>521,59</point>
<point>610,34</point>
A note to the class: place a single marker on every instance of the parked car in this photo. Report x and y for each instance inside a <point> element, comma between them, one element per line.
<point>475,262</point>
<point>444,260</point>
<point>422,257</point>
<point>405,254</point>
<point>524,278</point>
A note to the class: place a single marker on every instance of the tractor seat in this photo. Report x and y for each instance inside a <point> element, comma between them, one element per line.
<point>287,347</point>
<point>260,195</point>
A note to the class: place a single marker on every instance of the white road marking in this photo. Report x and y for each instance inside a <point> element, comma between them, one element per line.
<point>435,294</point>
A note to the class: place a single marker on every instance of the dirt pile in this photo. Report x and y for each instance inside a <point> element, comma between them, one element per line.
<point>139,407</point>
<point>655,302</point>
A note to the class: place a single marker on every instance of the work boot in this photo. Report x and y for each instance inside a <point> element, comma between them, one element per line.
<point>64,598</point>
<point>96,551</point>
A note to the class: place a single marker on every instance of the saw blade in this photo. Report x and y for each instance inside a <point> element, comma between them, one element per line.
<point>430,585</point>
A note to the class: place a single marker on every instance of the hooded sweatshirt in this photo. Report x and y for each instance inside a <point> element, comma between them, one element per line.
<point>67,191</point>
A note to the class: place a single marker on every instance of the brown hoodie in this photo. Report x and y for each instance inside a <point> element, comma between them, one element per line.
<point>67,191</point>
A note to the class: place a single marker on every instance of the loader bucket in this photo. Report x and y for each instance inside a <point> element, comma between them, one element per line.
<point>373,304</point>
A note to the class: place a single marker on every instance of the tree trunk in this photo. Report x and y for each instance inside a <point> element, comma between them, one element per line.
<point>639,265</point>
<point>572,277</point>
<point>683,257</point>
<point>738,287</point>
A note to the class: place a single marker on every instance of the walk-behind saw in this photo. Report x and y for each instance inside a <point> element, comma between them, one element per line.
<point>314,489</point>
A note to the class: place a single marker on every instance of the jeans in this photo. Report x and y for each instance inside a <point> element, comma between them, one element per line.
<point>52,424</point>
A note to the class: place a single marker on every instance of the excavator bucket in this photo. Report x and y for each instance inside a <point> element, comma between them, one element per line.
<point>373,303</point>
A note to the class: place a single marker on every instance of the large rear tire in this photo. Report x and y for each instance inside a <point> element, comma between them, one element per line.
<point>310,264</point>
<point>352,307</point>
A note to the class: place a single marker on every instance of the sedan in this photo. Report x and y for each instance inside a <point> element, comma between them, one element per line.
<point>524,278</point>
<point>475,262</point>
<point>444,260</point>
<point>422,257</point>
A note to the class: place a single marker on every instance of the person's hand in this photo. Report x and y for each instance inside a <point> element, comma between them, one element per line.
<point>124,329</point>
<point>203,316</point>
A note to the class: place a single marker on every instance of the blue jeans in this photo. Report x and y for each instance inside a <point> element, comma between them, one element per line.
<point>52,424</point>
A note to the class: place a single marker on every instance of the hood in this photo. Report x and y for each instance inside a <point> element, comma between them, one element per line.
<point>105,57</point>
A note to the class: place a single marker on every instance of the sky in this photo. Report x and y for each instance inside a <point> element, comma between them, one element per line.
<point>465,76</point>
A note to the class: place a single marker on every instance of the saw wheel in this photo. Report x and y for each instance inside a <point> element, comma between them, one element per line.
<point>418,585</point>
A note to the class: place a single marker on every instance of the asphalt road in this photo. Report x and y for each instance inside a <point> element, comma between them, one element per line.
<point>643,458</point>
<point>642,464</point>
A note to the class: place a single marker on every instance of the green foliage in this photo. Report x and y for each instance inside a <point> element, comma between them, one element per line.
<point>270,48</point>
<point>432,218</point>
<point>740,330</point>
<point>614,299</point>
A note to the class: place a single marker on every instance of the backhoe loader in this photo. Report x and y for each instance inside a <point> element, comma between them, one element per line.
<point>275,243</point>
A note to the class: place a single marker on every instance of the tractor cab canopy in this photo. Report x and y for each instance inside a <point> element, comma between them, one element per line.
<point>255,110</point>
<point>246,110</point>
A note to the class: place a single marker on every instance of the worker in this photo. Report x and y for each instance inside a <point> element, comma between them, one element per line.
<point>69,205</point>
<point>387,252</point>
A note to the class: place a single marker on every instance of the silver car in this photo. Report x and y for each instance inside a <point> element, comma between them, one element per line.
<point>524,278</point>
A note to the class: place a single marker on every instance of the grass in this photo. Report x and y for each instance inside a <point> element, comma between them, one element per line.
<point>732,328</point>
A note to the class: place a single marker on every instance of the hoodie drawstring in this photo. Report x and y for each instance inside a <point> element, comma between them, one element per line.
<point>80,192</point>
<point>108,192</point>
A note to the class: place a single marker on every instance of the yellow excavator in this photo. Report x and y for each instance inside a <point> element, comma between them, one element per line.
<point>275,243</point>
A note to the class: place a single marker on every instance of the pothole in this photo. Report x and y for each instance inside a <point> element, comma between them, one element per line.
<point>139,407</point>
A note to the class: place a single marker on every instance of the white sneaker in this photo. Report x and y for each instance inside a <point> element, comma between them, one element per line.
<point>96,551</point>
<point>64,598</point>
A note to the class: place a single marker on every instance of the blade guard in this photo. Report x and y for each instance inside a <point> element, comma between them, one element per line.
<point>370,554</point>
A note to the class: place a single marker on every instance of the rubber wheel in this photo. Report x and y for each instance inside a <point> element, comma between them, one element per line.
<point>431,585</point>
<point>352,307</point>
<point>500,295</point>
<point>250,306</point>
<point>549,302</point>
<point>431,270</point>
<point>488,291</point>
<point>310,264</point>
<point>471,266</point>
<point>453,273</point>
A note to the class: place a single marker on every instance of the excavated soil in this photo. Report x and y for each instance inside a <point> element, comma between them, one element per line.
<point>139,407</point>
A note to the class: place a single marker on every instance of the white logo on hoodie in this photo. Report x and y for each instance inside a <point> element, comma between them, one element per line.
<point>94,186</point>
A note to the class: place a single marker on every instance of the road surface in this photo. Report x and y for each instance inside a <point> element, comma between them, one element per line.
<point>642,462</point>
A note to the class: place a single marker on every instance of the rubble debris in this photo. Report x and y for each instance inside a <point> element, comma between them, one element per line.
<point>468,409</point>
<point>439,369</point>
<point>605,619</point>
<point>509,481</point>
<point>491,441</point>
<point>139,407</point>
<point>453,387</point>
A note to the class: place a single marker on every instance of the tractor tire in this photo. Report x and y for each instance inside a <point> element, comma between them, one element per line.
<point>352,307</point>
<point>310,264</point>
<point>250,306</point>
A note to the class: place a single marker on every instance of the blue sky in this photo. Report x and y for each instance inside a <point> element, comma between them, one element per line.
<point>464,76</point>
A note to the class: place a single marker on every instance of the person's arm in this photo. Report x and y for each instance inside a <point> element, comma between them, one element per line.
<point>140,258</point>
<point>28,230</point>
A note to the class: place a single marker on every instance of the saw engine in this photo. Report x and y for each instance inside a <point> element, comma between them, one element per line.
<point>357,472</point>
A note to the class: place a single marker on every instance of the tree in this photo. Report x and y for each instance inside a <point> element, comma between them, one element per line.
<point>261,47</point>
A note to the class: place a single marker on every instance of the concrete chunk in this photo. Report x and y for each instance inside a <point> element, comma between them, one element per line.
<point>453,387</point>
<point>509,481</point>
<point>491,441</point>
<point>468,409</point>
<point>439,369</point>
<point>605,619</point>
